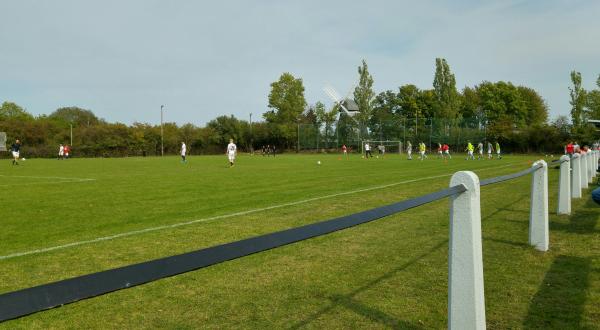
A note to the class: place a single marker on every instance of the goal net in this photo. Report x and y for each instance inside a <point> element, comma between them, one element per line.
<point>388,147</point>
<point>2,141</point>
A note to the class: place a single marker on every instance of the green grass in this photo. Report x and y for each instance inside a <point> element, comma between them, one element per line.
<point>388,273</point>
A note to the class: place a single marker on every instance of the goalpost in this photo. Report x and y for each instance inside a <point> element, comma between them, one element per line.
<point>2,141</point>
<point>389,147</point>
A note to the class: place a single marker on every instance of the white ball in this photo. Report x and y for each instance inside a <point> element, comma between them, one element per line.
<point>23,159</point>
<point>318,162</point>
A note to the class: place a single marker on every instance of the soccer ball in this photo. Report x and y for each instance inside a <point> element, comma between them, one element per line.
<point>318,162</point>
<point>23,159</point>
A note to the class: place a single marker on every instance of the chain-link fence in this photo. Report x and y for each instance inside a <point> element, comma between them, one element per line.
<point>431,131</point>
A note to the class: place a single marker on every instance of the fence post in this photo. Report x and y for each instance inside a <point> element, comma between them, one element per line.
<point>584,172</point>
<point>576,176</point>
<point>466,304</point>
<point>591,169</point>
<point>538,215</point>
<point>596,159</point>
<point>564,186</point>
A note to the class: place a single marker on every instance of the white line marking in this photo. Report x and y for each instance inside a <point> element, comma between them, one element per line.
<point>42,183</point>
<point>46,177</point>
<point>224,216</point>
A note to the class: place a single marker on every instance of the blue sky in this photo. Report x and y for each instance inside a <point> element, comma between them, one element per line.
<point>123,59</point>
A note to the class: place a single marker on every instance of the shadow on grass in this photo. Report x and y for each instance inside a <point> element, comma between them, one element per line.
<point>505,208</point>
<point>559,302</point>
<point>503,241</point>
<point>347,300</point>
<point>583,221</point>
<point>371,313</point>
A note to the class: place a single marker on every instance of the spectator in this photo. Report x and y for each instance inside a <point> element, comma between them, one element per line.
<point>596,195</point>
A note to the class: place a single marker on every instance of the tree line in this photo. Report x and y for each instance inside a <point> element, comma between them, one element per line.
<point>517,116</point>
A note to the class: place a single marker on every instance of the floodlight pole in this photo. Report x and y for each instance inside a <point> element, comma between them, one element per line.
<point>162,146</point>
<point>71,125</point>
<point>251,136</point>
<point>298,145</point>
<point>416,124</point>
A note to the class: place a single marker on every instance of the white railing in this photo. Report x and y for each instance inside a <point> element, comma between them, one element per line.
<point>466,299</point>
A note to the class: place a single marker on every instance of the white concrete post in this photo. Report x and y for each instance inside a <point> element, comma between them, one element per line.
<point>538,215</point>
<point>576,176</point>
<point>591,169</point>
<point>564,186</point>
<point>594,163</point>
<point>584,172</point>
<point>466,304</point>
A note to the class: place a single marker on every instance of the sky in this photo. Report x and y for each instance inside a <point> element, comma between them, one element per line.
<point>203,59</point>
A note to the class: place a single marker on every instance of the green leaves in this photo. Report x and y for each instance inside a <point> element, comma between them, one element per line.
<point>364,94</point>
<point>286,99</point>
<point>577,100</point>
<point>444,86</point>
<point>10,110</point>
<point>287,102</point>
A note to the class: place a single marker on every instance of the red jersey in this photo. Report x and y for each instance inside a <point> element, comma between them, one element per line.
<point>570,148</point>
<point>67,149</point>
<point>445,147</point>
<point>344,147</point>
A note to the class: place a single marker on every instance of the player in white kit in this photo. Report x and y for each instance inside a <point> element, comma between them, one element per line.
<point>61,152</point>
<point>183,152</point>
<point>231,152</point>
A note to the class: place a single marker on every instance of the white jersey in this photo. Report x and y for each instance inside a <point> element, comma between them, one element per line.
<point>61,150</point>
<point>183,149</point>
<point>231,148</point>
<point>367,147</point>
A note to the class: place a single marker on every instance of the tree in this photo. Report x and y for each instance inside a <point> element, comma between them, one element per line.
<point>320,112</point>
<point>444,85</point>
<point>384,119</point>
<point>561,123</point>
<point>470,107</point>
<point>364,94</point>
<point>286,99</point>
<point>503,106</point>
<point>75,115</point>
<point>408,98</point>
<point>593,104</point>
<point>287,102</point>
<point>10,110</point>
<point>593,101</point>
<point>225,128</point>
<point>577,100</point>
<point>329,118</point>
<point>537,110</point>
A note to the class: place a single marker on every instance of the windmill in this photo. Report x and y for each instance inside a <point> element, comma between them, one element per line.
<point>346,104</point>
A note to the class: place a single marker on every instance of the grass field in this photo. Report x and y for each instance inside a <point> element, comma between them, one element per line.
<point>66,218</point>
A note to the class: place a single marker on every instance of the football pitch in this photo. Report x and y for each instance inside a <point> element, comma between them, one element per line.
<point>62,219</point>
